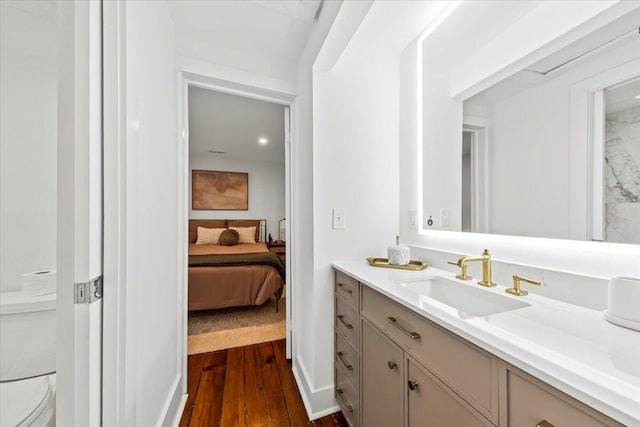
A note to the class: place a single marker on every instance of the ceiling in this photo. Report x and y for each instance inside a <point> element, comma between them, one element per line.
<point>623,96</point>
<point>260,36</point>
<point>471,26</point>
<point>233,124</point>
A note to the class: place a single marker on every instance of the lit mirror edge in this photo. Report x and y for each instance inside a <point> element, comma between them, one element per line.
<point>587,258</point>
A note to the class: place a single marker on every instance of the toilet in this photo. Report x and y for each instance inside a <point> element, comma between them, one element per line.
<point>27,360</point>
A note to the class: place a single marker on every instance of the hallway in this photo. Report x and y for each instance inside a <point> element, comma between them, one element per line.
<point>247,386</point>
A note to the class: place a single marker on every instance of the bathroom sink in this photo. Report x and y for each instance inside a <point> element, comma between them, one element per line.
<point>469,301</point>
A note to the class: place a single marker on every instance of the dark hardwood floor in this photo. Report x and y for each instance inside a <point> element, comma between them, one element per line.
<point>247,386</point>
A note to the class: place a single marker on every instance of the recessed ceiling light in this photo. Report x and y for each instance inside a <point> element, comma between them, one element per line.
<point>637,97</point>
<point>262,140</point>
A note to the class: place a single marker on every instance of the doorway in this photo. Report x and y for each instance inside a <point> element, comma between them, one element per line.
<point>273,229</point>
<point>475,178</point>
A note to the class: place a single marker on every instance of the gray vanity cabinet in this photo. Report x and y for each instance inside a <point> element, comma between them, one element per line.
<point>395,368</point>
<point>383,382</point>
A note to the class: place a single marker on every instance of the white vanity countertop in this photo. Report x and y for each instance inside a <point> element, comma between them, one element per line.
<point>569,347</point>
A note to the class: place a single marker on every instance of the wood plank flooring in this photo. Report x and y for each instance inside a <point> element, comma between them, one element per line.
<point>246,386</point>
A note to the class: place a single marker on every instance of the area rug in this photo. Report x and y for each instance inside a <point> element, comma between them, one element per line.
<point>212,330</point>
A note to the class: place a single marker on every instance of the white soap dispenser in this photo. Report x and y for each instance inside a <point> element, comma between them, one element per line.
<point>398,254</point>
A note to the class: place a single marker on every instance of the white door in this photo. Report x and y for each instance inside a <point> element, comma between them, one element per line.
<point>289,263</point>
<point>79,214</point>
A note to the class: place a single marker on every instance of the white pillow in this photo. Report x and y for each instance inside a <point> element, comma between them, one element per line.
<point>209,236</point>
<point>246,234</point>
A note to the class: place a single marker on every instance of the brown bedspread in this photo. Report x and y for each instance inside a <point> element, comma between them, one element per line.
<point>217,260</point>
<point>219,279</point>
<point>241,248</point>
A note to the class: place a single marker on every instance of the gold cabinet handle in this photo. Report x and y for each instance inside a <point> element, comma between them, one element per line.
<point>341,286</point>
<point>347,406</point>
<point>392,365</point>
<point>410,334</point>
<point>341,318</point>
<point>544,423</point>
<point>346,364</point>
<point>412,385</point>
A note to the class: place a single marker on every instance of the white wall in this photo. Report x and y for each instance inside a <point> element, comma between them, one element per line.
<point>28,141</point>
<point>355,167</point>
<point>355,131</point>
<point>266,189</point>
<point>154,304</point>
<point>301,226</point>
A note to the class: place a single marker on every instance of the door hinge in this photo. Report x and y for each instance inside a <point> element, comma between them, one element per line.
<point>88,292</point>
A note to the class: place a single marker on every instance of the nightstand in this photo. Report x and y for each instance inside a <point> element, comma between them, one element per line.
<point>280,249</point>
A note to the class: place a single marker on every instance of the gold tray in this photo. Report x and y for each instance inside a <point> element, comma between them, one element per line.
<point>384,263</point>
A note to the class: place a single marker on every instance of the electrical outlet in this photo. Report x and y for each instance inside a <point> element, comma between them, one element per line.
<point>413,220</point>
<point>445,218</point>
<point>339,218</point>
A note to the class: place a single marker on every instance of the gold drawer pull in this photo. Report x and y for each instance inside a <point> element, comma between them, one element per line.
<point>410,334</point>
<point>341,286</point>
<point>544,423</point>
<point>341,318</point>
<point>412,385</point>
<point>346,365</point>
<point>392,365</point>
<point>347,406</point>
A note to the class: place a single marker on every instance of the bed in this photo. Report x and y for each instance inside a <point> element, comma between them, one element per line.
<point>232,276</point>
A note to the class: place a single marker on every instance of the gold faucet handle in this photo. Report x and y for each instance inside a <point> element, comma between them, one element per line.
<point>516,285</point>
<point>463,273</point>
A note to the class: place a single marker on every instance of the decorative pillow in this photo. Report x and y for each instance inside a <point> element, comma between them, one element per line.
<point>209,236</point>
<point>229,238</point>
<point>247,234</point>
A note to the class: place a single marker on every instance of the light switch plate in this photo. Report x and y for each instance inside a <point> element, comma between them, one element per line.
<point>445,218</point>
<point>339,218</point>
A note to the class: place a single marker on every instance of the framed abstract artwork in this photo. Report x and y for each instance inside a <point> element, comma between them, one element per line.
<point>214,190</point>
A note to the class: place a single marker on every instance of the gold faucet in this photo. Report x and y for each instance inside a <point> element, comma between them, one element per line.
<point>486,268</point>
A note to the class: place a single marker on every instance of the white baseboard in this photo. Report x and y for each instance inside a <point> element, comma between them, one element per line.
<point>317,401</point>
<point>174,405</point>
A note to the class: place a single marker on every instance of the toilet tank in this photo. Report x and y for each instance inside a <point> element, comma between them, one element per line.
<point>27,335</point>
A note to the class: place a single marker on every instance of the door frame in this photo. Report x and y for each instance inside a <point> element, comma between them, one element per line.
<point>186,79</point>
<point>586,148</point>
<point>117,389</point>
<point>79,213</point>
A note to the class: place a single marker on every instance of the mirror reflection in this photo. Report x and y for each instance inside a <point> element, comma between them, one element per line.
<point>622,163</point>
<point>554,150</point>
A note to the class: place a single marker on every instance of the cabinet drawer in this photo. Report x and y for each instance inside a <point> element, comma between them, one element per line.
<point>468,370</point>
<point>529,402</point>
<point>347,322</point>
<point>347,398</point>
<point>431,403</point>
<point>347,358</point>
<point>347,288</point>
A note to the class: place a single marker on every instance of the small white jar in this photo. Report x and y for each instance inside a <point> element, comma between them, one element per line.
<point>398,254</point>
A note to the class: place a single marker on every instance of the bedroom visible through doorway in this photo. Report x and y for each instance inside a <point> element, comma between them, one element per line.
<point>236,278</point>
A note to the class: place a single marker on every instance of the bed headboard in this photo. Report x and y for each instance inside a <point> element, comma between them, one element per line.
<point>259,224</point>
